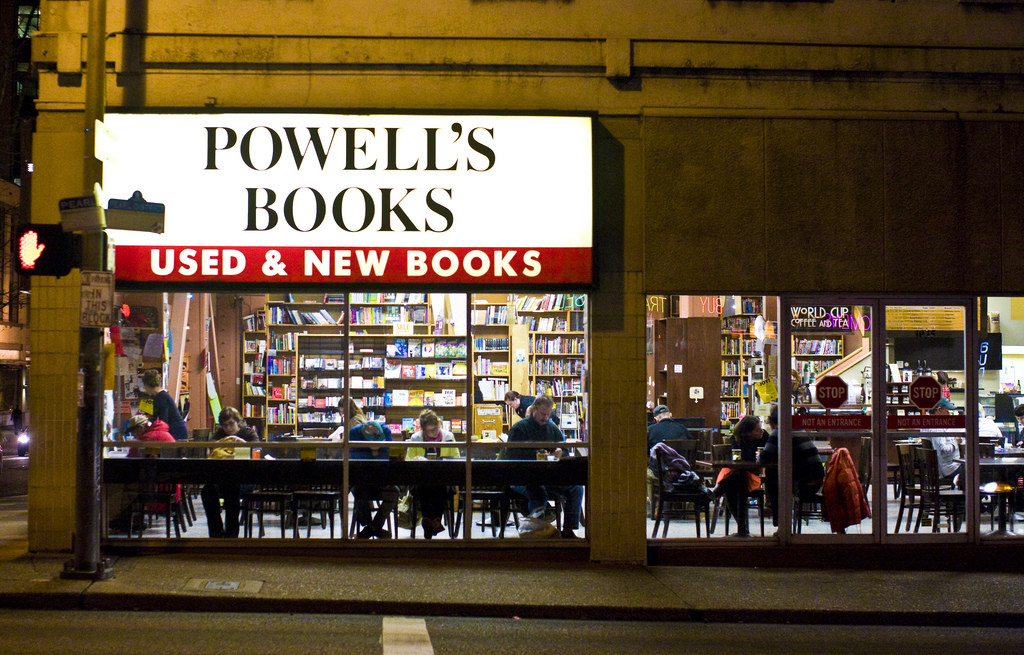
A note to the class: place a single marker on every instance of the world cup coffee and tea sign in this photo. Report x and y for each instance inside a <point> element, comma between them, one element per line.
<point>380,199</point>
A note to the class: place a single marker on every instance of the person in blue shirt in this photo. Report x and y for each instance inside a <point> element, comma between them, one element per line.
<point>163,406</point>
<point>372,523</point>
<point>537,427</point>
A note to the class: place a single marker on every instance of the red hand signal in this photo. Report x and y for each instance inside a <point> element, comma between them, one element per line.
<point>29,249</point>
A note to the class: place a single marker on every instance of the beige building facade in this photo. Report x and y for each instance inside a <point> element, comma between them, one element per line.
<point>749,147</point>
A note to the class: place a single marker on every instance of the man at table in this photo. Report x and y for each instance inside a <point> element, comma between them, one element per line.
<point>947,449</point>
<point>537,427</point>
<point>664,428</point>
<point>373,524</point>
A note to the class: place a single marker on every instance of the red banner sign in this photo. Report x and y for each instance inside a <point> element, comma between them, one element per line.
<point>544,266</point>
<point>832,422</point>
<point>926,422</point>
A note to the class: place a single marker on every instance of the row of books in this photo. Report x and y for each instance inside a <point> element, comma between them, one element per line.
<point>481,344</point>
<point>283,341</point>
<point>388,314</point>
<point>320,383</point>
<point>320,402</point>
<point>389,297</point>
<point>254,410</point>
<point>818,347</point>
<point>424,398</point>
<point>280,365</point>
<point>737,346</point>
<point>361,382</point>
<point>254,368</point>
<point>491,315</point>
<point>414,347</point>
<point>319,363</point>
<point>549,302</point>
<point>280,414</point>
<point>559,387</point>
<point>255,346</point>
<point>396,369</point>
<point>256,322</point>
<point>287,316</point>
<point>485,366</point>
<point>548,324</point>
<point>545,366</point>
<point>282,392</point>
<point>493,388</point>
<point>558,345</point>
<point>251,389</point>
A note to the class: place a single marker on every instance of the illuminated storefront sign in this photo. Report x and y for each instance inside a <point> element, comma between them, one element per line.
<point>300,198</point>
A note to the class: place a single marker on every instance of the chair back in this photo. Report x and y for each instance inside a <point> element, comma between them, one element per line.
<point>928,470</point>
<point>721,452</point>
<point>864,463</point>
<point>685,447</point>
<point>908,467</point>
<point>987,449</point>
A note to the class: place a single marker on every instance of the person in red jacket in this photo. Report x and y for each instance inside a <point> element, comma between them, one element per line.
<point>142,428</point>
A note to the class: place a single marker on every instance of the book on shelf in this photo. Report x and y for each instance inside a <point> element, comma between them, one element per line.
<point>415,348</point>
<point>444,370</point>
<point>428,348</point>
<point>408,371</point>
<point>421,371</point>
<point>388,399</point>
<point>415,398</point>
<point>356,382</point>
<point>408,423</point>
<point>392,369</point>
<point>429,371</point>
<point>429,398</point>
<point>459,369</point>
<point>401,347</point>
<point>446,399</point>
<point>400,397</point>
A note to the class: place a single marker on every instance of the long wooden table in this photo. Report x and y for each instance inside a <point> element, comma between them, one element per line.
<point>485,473</point>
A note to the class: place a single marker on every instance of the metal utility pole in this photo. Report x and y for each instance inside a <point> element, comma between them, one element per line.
<point>87,563</point>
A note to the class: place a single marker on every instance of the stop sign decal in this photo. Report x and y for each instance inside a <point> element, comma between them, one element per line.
<point>925,392</point>
<point>831,391</point>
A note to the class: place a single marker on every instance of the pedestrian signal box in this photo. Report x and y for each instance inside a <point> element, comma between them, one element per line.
<point>44,250</point>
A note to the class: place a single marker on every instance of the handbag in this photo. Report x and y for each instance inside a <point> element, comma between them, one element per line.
<point>404,512</point>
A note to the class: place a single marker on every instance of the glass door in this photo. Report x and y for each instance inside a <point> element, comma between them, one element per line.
<point>828,407</point>
<point>883,391</point>
<point>927,386</point>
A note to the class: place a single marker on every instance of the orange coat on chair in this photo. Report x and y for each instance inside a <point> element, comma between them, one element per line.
<point>845,504</point>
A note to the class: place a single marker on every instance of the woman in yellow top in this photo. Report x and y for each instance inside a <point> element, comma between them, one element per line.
<point>432,498</point>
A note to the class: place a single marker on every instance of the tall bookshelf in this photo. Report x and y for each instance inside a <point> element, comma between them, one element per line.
<point>423,367</point>
<point>738,354</point>
<point>815,353</point>
<point>321,381</point>
<point>492,317</point>
<point>289,317</point>
<point>557,353</point>
<point>254,371</point>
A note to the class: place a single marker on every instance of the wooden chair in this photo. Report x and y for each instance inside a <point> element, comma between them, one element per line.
<point>163,500</point>
<point>262,500</point>
<point>934,498</point>
<point>390,524</point>
<point>322,499</point>
<point>670,502</point>
<point>910,488</point>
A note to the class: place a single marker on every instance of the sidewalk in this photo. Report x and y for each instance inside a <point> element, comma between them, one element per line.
<point>230,583</point>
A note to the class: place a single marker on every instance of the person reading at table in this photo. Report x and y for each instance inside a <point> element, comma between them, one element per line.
<point>808,471</point>
<point>736,485</point>
<point>432,498</point>
<point>664,428</point>
<point>537,427</point>
<point>231,429</point>
<point>364,494</point>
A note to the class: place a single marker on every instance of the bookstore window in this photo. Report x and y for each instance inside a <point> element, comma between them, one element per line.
<point>328,377</point>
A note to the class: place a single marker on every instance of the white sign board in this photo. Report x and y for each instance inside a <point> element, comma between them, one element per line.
<point>300,198</point>
<point>97,300</point>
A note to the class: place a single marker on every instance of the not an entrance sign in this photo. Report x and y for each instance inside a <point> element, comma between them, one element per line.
<point>97,300</point>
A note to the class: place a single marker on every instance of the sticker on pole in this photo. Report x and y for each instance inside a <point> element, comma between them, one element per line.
<point>97,300</point>
<point>925,392</point>
<point>831,392</point>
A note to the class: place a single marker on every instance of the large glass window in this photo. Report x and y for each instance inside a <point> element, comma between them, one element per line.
<point>389,413</point>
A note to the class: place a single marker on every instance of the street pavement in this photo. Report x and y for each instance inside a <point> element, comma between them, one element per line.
<point>419,587</point>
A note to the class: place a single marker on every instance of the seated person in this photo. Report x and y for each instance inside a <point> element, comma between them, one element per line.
<point>947,449</point>
<point>372,524</point>
<point>808,471</point>
<point>736,485</point>
<point>537,428</point>
<point>663,428</point>
<point>141,428</point>
<point>230,429</point>
<point>432,498</point>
